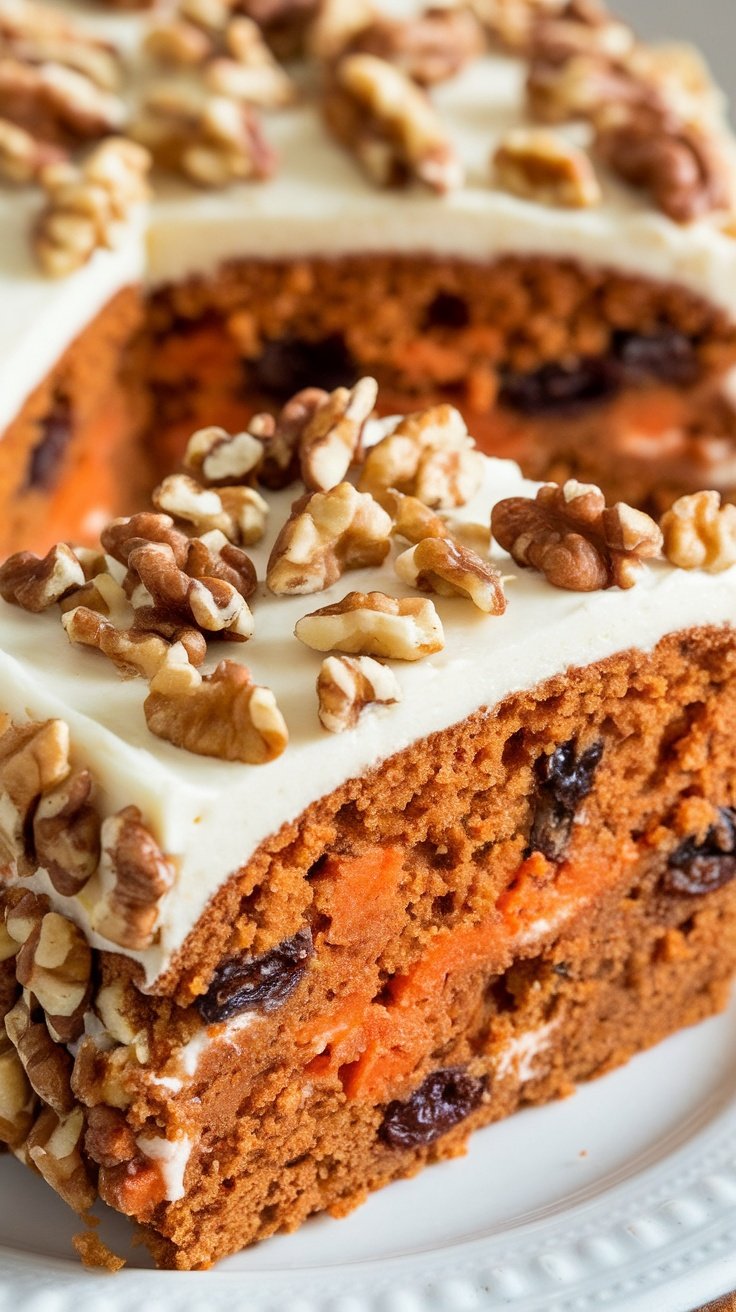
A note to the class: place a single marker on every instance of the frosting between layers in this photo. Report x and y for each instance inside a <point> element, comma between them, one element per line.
<point>210,816</point>
<point>319,203</point>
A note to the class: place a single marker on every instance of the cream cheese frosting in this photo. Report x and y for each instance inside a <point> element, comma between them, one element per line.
<point>209,815</point>
<point>319,203</point>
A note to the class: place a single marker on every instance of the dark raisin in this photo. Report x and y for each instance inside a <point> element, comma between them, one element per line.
<point>288,364</point>
<point>442,1100</point>
<point>248,983</point>
<point>563,780</point>
<point>667,356</point>
<point>701,867</point>
<point>447,310</point>
<point>557,387</point>
<point>47,456</point>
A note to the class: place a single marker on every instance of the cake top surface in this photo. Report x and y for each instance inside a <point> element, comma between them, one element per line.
<point>321,195</point>
<point>209,814</point>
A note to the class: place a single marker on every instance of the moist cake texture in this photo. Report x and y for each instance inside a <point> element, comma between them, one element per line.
<point>438,829</point>
<point>579,309</point>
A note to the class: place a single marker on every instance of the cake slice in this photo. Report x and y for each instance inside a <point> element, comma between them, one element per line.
<point>322,851</point>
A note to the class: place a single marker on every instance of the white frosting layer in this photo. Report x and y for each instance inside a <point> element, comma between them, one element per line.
<point>211,815</point>
<point>320,203</point>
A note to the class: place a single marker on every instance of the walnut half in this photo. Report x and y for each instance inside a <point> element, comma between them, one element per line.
<point>700,533</point>
<point>224,714</point>
<point>373,624</point>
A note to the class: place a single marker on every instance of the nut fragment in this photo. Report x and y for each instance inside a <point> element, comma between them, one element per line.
<point>210,603</point>
<point>331,437</point>
<point>66,834</point>
<point>134,876</point>
<point>544,167</point>
<point>346,685</point>
<point>281,436</point>
<point>130,651</point>
<point>23,155</point>
<point>33,759</point>
<point>212,140</point>
<point>17,1100</point>
<point>247,70</point>
<point>238,512</point>
<point>429,455</point>
<point>389,124</point>
<point>700,533</point>
<point>438,565</point>
<point>54,1147</point>
<point>48,1065</point>
<point>373,624</point>
<point>224,714</point>
<point>326,534</point>
<point>430,47</point>
<point>34,583</point>
<point>57,103</point>
<point>571,536</point>
<point>215,456</point>
<point>55,964</point>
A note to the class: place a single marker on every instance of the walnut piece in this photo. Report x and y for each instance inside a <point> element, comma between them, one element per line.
<point>34,583</point>
<point>47,1065</point>
<point>34,758</point>
<point>440,566</point>
<point>388,123</point>
<point>346,685</point>
<point>238,512</point>
<point>332,435</point>
<point>335,25</point>
<point>87,206</point>
<point>131,652</point>
<point>247,70</point>
<point>22,155</point>
<point>55,964</point>
<point>429,455</point>
<point>134,875</point>
<point>54,1146</point>
<point>281,436</point>
<point>57,103</point>
<point>38,34</point>
<point>544,167</point>
<point>326,534</point>
<point>66,833</point>
<point>700,533</point>
<point>571,536</point>
<point>373,624</point>
<point>214,456</point>
<point>430,47</point>
<point>210,603</point>
<point>17,1099</point>
<point>224,714</point>
<point>212,140</point>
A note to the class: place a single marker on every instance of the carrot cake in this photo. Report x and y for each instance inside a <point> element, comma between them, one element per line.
<point>514,206</point>
<point>353,795</point>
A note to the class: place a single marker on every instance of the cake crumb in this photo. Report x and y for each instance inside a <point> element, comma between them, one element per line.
<point>95,1254</point>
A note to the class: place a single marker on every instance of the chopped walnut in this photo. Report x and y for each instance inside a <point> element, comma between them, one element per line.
<point>214,456</point>
<point>47,1065</point>
<point>86,206</point>
<point>212,140</point>
<point>55,964</point>
<point>54,1146</point>
<point>211,604</point>
<point>429,455</point>
<point>544,167</point>
<point>130,651</point>
<point>440,566</point>
<point>224,714</point>
<point>17,1101</point>
<point>372,624</point>
<point>34,758</point>
<point>22,155</point>
<point>336,23</point>
<point>430,47</point>
<point>101,593</point>
<point>512,22</point>
<point>346,685</point>
<point>678,164</point>
<point>23,915</point>
<point>66,833</point>
<point>700,533</point>
<point>326,534</point>
<point>38,35</point>
<point>413,520</point>
<point>57,103</point>
<point>213,556</point>
<point>238,512</point>
<point>175,42</point>
<point>122,536</point>
<point>579,87</point>
<point>248,70</point>
<point>281,437</point>
<point>571,536</point>
<point>388,123</point>
<point>34,583</point>
<point>332,436</point>
<point>134,875</point>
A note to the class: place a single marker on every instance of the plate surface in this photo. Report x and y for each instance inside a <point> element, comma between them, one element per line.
<point>621,1197</point>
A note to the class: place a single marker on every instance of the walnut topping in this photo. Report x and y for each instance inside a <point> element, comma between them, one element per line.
<point>700,533</point>
<point>55,964</point>
<point>248,71</point>
<point>332,436</point>
<point>23,915</point>
<point>438,565</point>
<point>215,456</point>
<point>512,22</point>
<point>47,1065</point>
<point>677,163</point>
<point>34,583</point>
<point>86,206</point>
<point>238,512</point>
<point>122,536</point>
<point>346,685</point>
<point>373,624</point>
<point>66,834</point>
<point>224,714</point>
<point>429,455</point>
<point>38,35</point>
<point>413,520</point>
<point>571,536</point>
<point>33,759</point>
<point>389,124</point>
<point>326,534</point>
<point>16,1095</point>
<point>212,140</point>
<point>23,156</point>
<point>210,603</point>
<point>335,24</point>
<point>130,651</point>
<point>430,47</point>
<point>579,87</point>
<point>544,167</point>
<point>134,876</point>
<point>54,1147</point>
<point>280,437</point>
<point>56,103</point>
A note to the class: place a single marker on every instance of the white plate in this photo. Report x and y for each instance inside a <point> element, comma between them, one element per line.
<point>621,1197</point>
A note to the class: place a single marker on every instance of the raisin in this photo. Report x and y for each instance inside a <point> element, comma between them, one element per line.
<point>447,310</point>
<point>667,356</point>
<point>557,387</point>
<point>701,867</point>
<point>563,780</point>
<point>263,983</point>
<point>288,364</point>
<point>442,1100</point>
<point>47,456</point>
